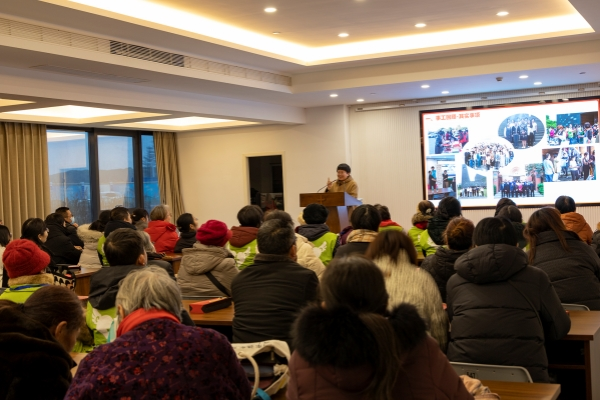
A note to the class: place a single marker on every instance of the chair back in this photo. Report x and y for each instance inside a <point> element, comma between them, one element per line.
<point>492,372</point>
<point>575,307</point>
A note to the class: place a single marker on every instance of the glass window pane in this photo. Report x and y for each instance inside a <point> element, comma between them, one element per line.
<point>116,172</point>
<point>68,161</point>
<point>150,177</point>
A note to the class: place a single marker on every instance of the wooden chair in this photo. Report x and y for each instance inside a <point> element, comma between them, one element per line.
<point>492,372</point>
<point>575,307</point>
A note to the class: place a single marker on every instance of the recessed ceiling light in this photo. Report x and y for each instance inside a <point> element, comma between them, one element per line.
<point>524,77</point>
<point>420,25</point>
<point>270,9</point>
<point>502,13</point>
<point>360,100</point>
<point>333,95</point>
<point>276,33</point>
<point>445,92</point>
<point>343,34</point>
<point>424,86</point>
<point>537,83</point>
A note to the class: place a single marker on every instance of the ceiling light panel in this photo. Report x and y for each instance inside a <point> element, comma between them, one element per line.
<point>186,121</point>
<point>71,112</point>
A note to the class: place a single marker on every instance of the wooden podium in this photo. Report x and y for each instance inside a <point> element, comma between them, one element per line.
<point>337,203</point>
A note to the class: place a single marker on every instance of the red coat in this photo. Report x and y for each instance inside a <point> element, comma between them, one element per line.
<point>163,235</point>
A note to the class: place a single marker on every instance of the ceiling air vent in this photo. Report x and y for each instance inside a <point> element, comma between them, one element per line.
<point>89,74</point>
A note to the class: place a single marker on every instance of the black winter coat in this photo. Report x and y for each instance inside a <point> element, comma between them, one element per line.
<point>441,266</point>
<point>574,274</point>
<point>358,248</point>
<point>492,320</point>
<point>62,249</point>
<point>436,228</point>
<point>596,242</point>
<point>114,225</point>
<point>186,241</point>
<point>73,237</point>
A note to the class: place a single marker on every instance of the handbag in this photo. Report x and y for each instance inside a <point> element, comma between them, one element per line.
<point>63,276</point>
<point>265,364</point>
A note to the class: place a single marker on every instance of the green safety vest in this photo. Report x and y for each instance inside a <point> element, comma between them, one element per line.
<point>324,247</point>
<point>428,245</point>
<point>243,256</point>
<point>391,228</point>
<point>20,293</point>
<point>100,249</point>
<point>103,324</point>
<point>414,234</point>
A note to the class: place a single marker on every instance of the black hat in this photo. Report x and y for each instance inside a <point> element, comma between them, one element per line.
<point>344,167</point>
<point>315,214</point>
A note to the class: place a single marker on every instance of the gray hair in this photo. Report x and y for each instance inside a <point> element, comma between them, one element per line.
<point>149,287</point>
<point>160,212</point>
<point>275,236</point>
<point>148,246</point>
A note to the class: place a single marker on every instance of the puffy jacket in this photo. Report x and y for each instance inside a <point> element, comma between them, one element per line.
<point>335,354</point>
<point>199,260</point>
<point>596,242</point>
<point>22,287</point>
<point>89,255</point>
<point>163,235</point>
<point>576,223</point>
<point>574,274</point>
<point>307,257</point>
<point>186,241</point>
<point>441,266</point>
<point>493,322</point>
<point>243,245</point>
<point>433,237</point>
<point>63,250</point>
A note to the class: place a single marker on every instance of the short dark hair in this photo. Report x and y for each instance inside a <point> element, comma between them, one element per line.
<point>275,236</point>
<point>512,213</point>
<point>495,230</point>
<point>138,214</point>
<point>365,217</point>
<point>100,223</point>
<point>55,218</point>
<point>184,221</point>
<point>344,167</point>
<point>119,214</point>
<point>123,247</point>
<point>503,202</point>
<point>383,211</point>
<point>459,234</point>
<point>281,215</point>
<point>32,228</point>
<point>565,204</point>
<point>51,305</point>
<point>392,243</point>
<point>4,235</point>
<point>315,214</point>
<point>250,216</point>
<point>449,208</point>
<point>62,211</point>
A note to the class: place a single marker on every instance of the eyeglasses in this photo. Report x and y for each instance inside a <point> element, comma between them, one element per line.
<point>47,230</point>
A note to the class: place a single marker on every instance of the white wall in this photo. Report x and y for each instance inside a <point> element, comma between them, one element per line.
<point>213,165</point>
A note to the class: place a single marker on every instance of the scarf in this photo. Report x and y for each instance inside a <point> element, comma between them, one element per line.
<point>362,235</point>
<point>140,316</point>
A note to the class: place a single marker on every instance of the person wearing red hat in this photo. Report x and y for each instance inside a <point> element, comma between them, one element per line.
<point>208,268</point>
<point>24,262</point>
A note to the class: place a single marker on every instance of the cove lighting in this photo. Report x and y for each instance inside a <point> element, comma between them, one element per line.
<point>185,121</point>
<point>425,86</point>
<point>502,13</point>
<point>7,103</point>
<point>71,112</point>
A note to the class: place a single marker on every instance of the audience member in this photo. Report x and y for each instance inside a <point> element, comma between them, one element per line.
<point>140,218</point>
<point>34,229</point>
<point>187,225</point>
<point>162,232</point>
<point>70,225</point>
<point>394,254</point>
<point>119,218</point>
<point>503,202</point>
<point>305,253</point>
<point>5,238</point>
<point>124,250</point>
<point>158,357</point>
<point>501,309</point>
<point>513,214</point>
<point>317,232</point>
<point>420,220</point>
<point>365,222</point>
<point>269,293</point>
<point>243,239</point>
<point>90,234</point>
<point>573,221</point>
<point>433,237</point>
<point>571,265</point>
<point>385,356</point>
<point>458,238</point>
<point>35,341</point>
<point>208,268</point>
<point>24,264</point>
<point>596,240</point>
<point>62,249</point>
<point>386,219</point>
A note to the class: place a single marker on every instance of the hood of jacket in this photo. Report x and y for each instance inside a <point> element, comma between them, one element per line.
<point>158,227</point>
<point>88,235</point>
<point>56,230</point>
<point>114,225</point>
<point>242,235</point>
<point>550,236</point>
<point>573,221</point>
<point>104,285</point>
<point>491,263</point>
<point>313,231</point>
<point>446,258</point>
<point>322,337</point>
<point>201,258</point>
<point>436,228</point>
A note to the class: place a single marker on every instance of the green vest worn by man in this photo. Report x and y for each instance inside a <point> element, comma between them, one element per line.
<point>324,241</point>
<point>243,245</point>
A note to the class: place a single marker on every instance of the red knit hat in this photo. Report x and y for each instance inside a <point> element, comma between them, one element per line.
<point>24,257</point>
<point>213,233</point>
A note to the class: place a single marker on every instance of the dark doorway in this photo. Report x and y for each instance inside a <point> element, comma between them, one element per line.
<point>266,182</point>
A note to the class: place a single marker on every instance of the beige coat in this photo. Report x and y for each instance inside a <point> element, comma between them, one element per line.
<point>349,186</point>
<point>406,283</point>
<point>307,257</point>
<point>89,255</point>
<point>199,260</point>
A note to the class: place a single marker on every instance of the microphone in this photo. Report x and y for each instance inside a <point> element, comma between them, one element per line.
<point>326,186</point>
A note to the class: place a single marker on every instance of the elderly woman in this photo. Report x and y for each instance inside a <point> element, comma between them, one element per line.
<point>161,230</point>
<point>156,356</point>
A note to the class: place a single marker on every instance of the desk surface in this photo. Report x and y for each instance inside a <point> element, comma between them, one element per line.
<point>584,325</point>
<point>222,317</point>
<point>172,256</point>
<point>85,272</point>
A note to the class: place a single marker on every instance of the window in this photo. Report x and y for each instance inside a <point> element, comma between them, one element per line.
<point>100,169</point>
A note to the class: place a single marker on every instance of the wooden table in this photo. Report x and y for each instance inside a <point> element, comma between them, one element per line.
<point>82,287</point>
<point>77,357</point>
<point>222,317</point>
<point>174,259</point>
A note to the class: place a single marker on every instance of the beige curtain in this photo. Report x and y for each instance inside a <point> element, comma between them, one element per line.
<point>165,146</point>
<point>24,177</point>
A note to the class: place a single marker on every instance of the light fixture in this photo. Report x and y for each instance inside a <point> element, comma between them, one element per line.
<point>185,121</point>
<point>360,100</point>
<point>420,25</point>
<point>343,34</point>
<point>537,83</point>
<point>524,77</point>
<point>270,9</point>
<point>425,86</point>
<point>502,13</point>
<point>333,95</point>
<point>276,33</point>
<point>72,112</point>
<point>445,92</point>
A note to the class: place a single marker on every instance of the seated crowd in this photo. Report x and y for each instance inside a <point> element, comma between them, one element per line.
<point>366,313</point>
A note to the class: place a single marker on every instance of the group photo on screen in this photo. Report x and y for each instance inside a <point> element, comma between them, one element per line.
<point>522,130</point>
<point>528,184</point>
<point>571,129</point>
<point>473,184</point>
<point>448,140</point>
<point>576,163</point>
<point>441,176</point>
<point>488,156</point>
